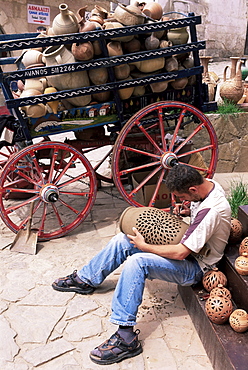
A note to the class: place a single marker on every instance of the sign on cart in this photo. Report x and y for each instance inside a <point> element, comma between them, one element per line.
<point>38,14</point>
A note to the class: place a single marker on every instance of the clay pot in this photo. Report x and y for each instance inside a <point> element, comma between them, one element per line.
<point>56,55</point>
<point>156,226</point>
<point>213,278</point>
<point>131,46</point>
<point>151,65</point>
<point>122,71</point>
<point>238,320</point>
<point>102,96</point>
<point>241,264</point>
<point>152,42</point>
<point>236,231</point>
<point>220,289</point>
<point>98,76</point>
<point>35,111</point>
<point>232,89</point>
<point>36,83</point>
<point>179,83</point>
<point>129,15</point>
<point>86,26</point>
<point>125,93</point>
<point>208,78</point>
<point>153,10</point>
<point>65,22</point>
<point>218,308</point>
<point>171,64</point>
<point>84,51</point>
<point>97,48</point>
<point>114,48</point>
<point>100,12</point>
<point>244,246</point>
<point>32,57</point>
<point>111,24</point>
<point>54,103</point>
<point>159,86</point>
<point>139,90</point>
<point>178,36</point>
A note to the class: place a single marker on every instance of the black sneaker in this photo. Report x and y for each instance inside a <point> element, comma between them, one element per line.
<point>71,283</point>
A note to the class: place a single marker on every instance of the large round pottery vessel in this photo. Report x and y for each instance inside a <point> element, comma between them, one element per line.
<point>55,55</point>
<point>53,104</point>
<point>218,308</point>
<point>65,22</point>
<point>98,76</point>
<point>114,48</point>
<point>241,264</point>
<point>156,226</point>
<point>220,289</point>
<point>153,10</point>
<point>243,245</point>
<point>238,320</point>
<point>236,230</point>
<point>126,92</point>
<point>178,36</point>
<point>213,278</point>
<point>129,15</point>
<point>151,65</point>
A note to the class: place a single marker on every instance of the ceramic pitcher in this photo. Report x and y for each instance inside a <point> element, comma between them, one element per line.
<point>57,55</point>
<point>65,22</point>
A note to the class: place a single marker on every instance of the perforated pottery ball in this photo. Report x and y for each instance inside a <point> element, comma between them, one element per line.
<point>236,231</point>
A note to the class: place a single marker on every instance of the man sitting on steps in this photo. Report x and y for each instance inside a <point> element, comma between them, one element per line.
<point>210,225</point>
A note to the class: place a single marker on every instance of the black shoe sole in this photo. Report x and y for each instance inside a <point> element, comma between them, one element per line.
<point>118,358</point>
<point>73,289</point>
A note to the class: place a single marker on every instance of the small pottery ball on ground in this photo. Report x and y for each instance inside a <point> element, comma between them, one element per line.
<point>241,264</point>
<point>218,308</point>
<point>236,231</point>
<point>238,320</point>
<point>213,278</point>
<point>243,245</point>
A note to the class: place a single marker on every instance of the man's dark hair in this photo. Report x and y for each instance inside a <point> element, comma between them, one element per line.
<point>181,177</point>
<point>40,28</point>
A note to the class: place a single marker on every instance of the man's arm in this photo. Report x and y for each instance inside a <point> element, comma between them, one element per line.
<point>172,251</point>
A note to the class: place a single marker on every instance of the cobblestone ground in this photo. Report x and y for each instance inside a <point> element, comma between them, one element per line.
<point>48,330</point>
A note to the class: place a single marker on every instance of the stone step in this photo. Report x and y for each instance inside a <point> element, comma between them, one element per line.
<point>225,348</point>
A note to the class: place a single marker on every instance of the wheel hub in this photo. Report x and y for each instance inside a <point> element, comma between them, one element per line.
<point>50,193</point>
<point>169,160</point>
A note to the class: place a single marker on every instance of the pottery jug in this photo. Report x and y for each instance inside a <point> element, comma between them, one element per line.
<point>153,10</point>
<point>152,42</point>
<point>65,22</point>
<point>114,48</point>
<point>56,55</point>
<point>244,69</point>
<point>100,13</point>
<point>150,65</point>
<point>178,36</point>
<point>233,88</point>
<point>171,64</point>
<point>179,83</point>
<point>156,226</point>
<point>122,71</point>
<point>98,76</point>
<point>131,46</point>
<point>238,320</point>
<point>159,86</point>
<point>207,78</point>
<point>85,26</point>
<point>213,278</point>
<point>53,104</point>
<point>241,264</point>
<point>102,96</point>
<point>218,308</point>
<point>36,83</point>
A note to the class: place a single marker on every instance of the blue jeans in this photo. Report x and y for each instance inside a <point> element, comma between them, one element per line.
<point>138,267</point>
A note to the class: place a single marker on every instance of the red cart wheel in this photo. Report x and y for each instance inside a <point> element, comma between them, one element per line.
<point>151,140</point>
<point>5,153</point>
<point>62,183</point>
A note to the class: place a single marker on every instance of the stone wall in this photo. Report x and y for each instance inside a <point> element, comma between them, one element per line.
<point>232,134</point>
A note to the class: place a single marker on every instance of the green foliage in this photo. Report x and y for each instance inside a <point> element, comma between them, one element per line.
<point>228,107</point>
<point>238,196</point>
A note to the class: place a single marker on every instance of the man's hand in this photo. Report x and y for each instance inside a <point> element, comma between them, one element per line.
<point>181,210</point>
<point>137,239</point>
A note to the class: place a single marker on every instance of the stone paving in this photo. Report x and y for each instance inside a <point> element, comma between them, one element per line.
<point>48,330</point>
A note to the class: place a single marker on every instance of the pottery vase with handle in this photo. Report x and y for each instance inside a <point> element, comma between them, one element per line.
<point>207,78</point>
<point>57,55</point>
<point>233,88</point>
<point>65,22</point>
